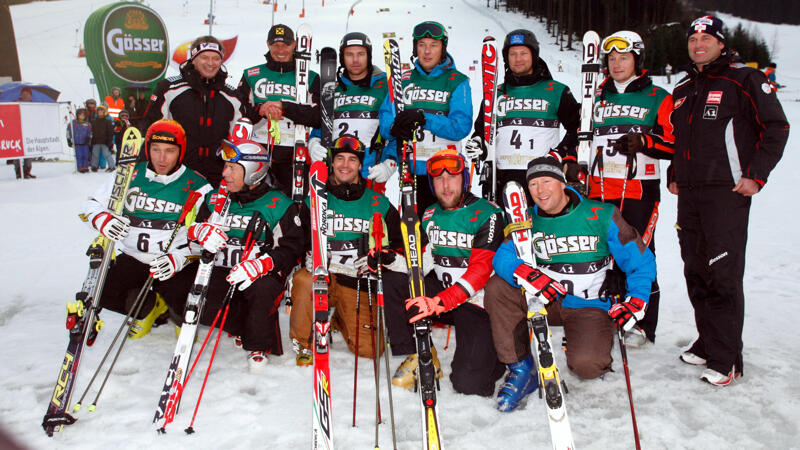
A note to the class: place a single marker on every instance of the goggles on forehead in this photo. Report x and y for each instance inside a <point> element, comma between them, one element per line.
<point>453,164</point>
<point>348,142</point>
<point>428,29</point>
<point>617,43</point>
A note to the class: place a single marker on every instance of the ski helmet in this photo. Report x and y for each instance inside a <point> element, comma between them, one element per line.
<point>433,30</point>
<point>355,38</point>
<point>347,143</point>
<point>449,160</point>
<point>624,41</point>
<point>166,131</point>
<point>521,37</point>
<point>252,156</point>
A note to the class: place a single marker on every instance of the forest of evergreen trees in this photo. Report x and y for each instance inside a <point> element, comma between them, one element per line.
<point>661,23</point>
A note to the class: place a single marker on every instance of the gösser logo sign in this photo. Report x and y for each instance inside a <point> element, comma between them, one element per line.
<point>135,43</point>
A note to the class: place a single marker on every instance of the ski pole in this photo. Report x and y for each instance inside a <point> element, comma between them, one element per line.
<point>629,164</point>
<point>377,231</point>
<point>358,332</point>
<point>624,353</point>
<point>371,325</point>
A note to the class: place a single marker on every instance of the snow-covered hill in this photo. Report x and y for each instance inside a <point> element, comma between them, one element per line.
<point>43,245</point>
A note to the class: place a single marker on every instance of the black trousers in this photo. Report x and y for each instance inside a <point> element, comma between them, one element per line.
<point>713,235</point>
<point>637,213</point>
<point>475,367</point>
<point>127,276</point>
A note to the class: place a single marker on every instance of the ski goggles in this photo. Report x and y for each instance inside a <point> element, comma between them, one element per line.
<point>452,163</point>
<point>430,29</point>
<point>617,43</point>
<point>348,143</point>
<point>229,152</point>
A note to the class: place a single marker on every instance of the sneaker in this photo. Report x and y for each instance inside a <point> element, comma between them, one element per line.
<point>304,357</point>
<point>142,327</point>
<point>406,374</point>
<point>257,360</point>
<point>690,358</point>
<point>520,382</point>
<point>718,379</point>
<point>636,338</point>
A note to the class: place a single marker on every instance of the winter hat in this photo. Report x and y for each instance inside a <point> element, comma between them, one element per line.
<point>545,166</point>
<point>707,24</point>
<point>280,33</point>
<point>347,143</point>
<point>207,43</point>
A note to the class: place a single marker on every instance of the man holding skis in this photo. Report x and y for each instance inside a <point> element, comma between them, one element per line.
<point>153,203</point>
<point>730,131</point>
<point>437,100</point>
<point>351,206</point>
<point>575,241</point>
<point>531,107</point>
<point>359,94</point>
<point>460,235</point>
<point>261,275</point>
<point>270,91</point>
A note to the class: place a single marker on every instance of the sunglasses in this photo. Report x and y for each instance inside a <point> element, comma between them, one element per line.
<point>453,164</point>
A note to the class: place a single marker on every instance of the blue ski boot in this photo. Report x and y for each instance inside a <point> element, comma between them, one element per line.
<point>521,380</point>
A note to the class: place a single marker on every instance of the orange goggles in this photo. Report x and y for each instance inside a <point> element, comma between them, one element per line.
<point>453,164</point>
<point>229,152</point>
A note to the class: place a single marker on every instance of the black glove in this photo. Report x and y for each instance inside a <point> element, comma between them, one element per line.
<point>369,262</point>
<point>630,144</point>
<point>69,142</point>
<point>406,123</point>
<point>377,143</point>
<point>573,172</point>
<point>614,284</point>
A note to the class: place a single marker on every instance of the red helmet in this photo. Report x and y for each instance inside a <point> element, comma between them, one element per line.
<point>167,131</point>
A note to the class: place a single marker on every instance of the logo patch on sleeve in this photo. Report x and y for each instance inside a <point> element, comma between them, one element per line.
<point>253,71</point>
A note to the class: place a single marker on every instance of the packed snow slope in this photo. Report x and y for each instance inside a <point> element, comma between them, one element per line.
<point>43,245</point>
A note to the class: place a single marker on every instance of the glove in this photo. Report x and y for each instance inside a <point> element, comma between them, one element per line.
<point>627,313</point>
<point>426,306</point>
<point>381,172</point>
<point>377,143</point>
<point>614,284</point>
<point>317,150</point>
<point>573,172</point>
<point>369,262</point>
<point>165,266</point>
<point>630,144</point>
<point>474,148</point>
<point>111,225</point>
<point>246,272</point>
<point>406,123</point>
<point>211,237</point>
<point>310,262</point>
<point>537,283</point>
<point>69,142</point>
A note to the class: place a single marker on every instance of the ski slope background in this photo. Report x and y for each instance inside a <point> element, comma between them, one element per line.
<point>43,244</point>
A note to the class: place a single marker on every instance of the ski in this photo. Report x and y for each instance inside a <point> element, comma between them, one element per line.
<point>322,420</point>
<point>81,315</point>
<point>394,78</point>
<point>176,373</point>
<point>327,78</point>
<point>590,72</point>
<point>516,207</point>
<point>302,59</point>
<point>488,178</point>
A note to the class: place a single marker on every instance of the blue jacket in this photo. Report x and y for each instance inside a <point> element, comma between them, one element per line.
<point>624,244</point>
<point>455,126</point>
<point>80,133</point>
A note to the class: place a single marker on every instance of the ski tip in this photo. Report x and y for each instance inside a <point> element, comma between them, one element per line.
<point>488,38</point>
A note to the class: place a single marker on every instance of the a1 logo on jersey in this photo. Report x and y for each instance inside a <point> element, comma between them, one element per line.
<point>710,112</point>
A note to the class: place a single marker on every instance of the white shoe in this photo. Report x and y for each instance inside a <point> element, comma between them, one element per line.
<point>690,358</point>
<point>636,338</point>
<point>718,379</point>
<point>257,361</point>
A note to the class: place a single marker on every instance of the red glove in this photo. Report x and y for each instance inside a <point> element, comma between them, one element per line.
<point>211,237</point>
<point>246,272</point>
<point>627,313</point>
<point>426,306</point>
<point>539,284</point>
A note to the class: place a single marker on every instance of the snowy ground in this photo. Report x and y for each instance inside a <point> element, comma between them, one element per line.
<point>43,244</point>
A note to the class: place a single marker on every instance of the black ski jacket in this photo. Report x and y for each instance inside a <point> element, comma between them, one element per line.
<point>728,124</point>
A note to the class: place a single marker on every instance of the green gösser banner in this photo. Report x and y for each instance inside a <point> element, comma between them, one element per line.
<point>126,44</point>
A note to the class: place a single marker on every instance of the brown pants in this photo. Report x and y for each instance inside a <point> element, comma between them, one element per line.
<point>589,331</point>
<point>342,298</point>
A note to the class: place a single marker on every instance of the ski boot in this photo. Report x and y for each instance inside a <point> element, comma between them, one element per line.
<point>406,374</point>
<point>141,327</point>
<point>521,381</point>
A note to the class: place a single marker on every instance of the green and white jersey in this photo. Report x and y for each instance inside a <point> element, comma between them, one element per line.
<point>527,123</point>
<point>355,108</point>
<point>152,204</point>
<point>268,85</point>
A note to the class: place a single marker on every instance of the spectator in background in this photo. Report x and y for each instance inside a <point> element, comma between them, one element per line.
<point>120,125</point>
<point>91,109</point>
<point>24,96</point>
<point>79,135</point>
<point>114,103</point>
<point>102,139</point>
<point>142,102</point>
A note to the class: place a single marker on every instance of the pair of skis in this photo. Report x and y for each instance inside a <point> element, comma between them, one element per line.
<point>81,322</point>
<point>410,227</point>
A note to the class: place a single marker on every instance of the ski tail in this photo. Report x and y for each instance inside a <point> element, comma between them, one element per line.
<point>590,72</point>
<point>301,158</point>
<point>327,77</point>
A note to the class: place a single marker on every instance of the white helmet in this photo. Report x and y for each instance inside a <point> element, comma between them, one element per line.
<point>624,41</point>
<point>251,155</point>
